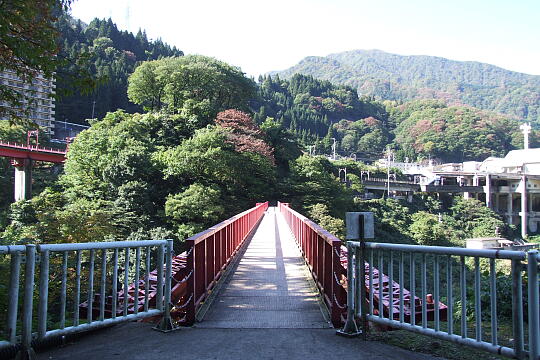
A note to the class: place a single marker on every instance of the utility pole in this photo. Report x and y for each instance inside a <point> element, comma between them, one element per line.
<point>334,149</point>
<point>93,107</point>
<point>389,153</point>
<point>526,128</point>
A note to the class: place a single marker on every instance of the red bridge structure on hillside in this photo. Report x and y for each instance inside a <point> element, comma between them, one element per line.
<point>23,158</point>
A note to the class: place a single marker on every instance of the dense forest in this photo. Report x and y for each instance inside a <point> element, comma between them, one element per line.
<point>107,55</point>
<point>403,78</point>
<point>317,111</point>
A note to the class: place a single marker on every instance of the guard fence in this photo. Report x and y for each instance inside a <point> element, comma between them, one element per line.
<point>59,289</point>
<point>468,292</point>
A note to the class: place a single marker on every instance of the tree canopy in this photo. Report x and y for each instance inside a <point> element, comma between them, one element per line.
<point>198,87</point>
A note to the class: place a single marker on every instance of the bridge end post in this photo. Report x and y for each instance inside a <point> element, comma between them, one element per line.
<point>166,325</point>
<point>350,329</point>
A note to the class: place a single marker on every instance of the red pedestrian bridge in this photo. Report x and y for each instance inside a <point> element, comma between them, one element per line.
<point>268,269</point>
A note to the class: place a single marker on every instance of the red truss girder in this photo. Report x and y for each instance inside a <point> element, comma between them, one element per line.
<point>17,151</point>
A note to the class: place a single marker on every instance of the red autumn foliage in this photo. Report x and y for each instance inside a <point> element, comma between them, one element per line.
<point>244,133</point>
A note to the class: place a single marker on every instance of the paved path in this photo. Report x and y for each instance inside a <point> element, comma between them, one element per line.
<point>270,288</point>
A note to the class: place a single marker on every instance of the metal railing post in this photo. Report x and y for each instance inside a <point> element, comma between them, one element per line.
<point>517,309</point>
<point>13,305</point>
<point>43,293</point>
<point>363,294</point>
<point>26,352</point>
<point>534,303</point>
<point>350,328</point>
<point>166,321</point>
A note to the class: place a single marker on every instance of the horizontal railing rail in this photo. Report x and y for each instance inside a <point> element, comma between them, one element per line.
<point>68,274</point>
<point>471,282</point>
<point>210,252</point>
<point>322,253</point>
<point>32,147</point>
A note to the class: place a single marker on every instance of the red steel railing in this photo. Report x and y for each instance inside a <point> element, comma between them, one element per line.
<point>322,252</point>
<point>209,253</point>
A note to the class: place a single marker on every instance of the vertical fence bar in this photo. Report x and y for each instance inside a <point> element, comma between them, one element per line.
<point>166,322</point>
<point>412,276</point>
<point>159,289</point>
<point>13,296</point>
<point>449,295</point>
<point>29,270</point>
<point>493,296</point>
<point>517,308</point>
<point>477,295</point>
<point>423,287</point>
<point>436,288</point>
<point>534,303</point>
<point>147,278</point>
<point>401,280</point>
<point>371,259</point>
<point>350,324</point>
<point>103,285</point>
<point>126,281</point>
<point>43,293</point>
<point>63,290</point>
<point>137,278</point>
<point>380,283</point>
<point>90,302</point>
<point>77,288</point>
<point>463,287</point>
<point>391,286</point>
<point>114,290</point>
<point>362,285</point>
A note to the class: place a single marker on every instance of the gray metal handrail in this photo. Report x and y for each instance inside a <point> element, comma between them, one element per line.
<point>411,263</point>
<point>72,278</point>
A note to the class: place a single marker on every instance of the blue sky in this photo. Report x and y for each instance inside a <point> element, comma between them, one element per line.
<point>260,36</point>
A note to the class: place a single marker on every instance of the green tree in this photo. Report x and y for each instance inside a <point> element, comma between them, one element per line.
<point>427,230</point>
<point>28,42</point>
<point>198,87</point>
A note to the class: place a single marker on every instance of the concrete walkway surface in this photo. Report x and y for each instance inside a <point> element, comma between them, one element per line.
<point>270,287</point>
<point>137,341</point>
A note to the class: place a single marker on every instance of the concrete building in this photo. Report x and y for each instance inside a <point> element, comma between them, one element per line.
<point>509,185</point>
<point>38,101</point>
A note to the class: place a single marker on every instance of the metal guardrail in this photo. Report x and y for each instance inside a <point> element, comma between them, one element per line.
<point>209,253</point>
<point>449,280</point>
<point>322,252</point>
<point>66,275</point>
<point>32,147</point>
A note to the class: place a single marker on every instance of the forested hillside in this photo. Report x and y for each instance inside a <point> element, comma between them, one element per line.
<point>311,108</point>
<point>108,55</point>
<point>403,78</point>
<point>317,111</point>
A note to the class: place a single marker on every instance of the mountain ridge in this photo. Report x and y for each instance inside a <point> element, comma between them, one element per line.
<point>388,76</point>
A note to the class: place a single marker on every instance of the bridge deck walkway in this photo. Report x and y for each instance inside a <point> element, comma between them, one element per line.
<point>270,287</point>
<point>267,309</point>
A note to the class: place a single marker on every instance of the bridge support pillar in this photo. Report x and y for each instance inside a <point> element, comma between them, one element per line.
<point>23,178</point>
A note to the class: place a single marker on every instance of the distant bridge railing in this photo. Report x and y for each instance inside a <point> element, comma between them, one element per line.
<point>322,252</point>
<point>97,273</point>
<point>465,279</point>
